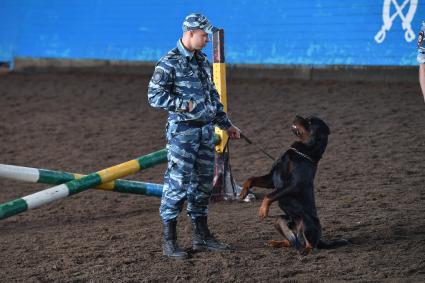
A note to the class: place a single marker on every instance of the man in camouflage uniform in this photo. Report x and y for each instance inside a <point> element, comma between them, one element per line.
<point>182,85</point>
<point>421,58</point>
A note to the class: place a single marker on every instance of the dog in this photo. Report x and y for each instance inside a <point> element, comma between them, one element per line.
<point>292,178</point>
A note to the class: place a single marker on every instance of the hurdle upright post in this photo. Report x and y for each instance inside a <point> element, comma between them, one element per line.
<point>224,185</point>
<point>219,77</point>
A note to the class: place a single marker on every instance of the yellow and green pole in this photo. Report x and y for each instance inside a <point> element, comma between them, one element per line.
<point>76,186</point>
<point>46,176</point>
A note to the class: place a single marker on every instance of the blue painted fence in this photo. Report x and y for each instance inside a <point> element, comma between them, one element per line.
<point>312,32</point>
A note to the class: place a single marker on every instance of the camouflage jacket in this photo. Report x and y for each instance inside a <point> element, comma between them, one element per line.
<point>182,76</point>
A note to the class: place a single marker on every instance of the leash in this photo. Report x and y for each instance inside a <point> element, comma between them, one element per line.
<point>229,167</point>
<point>258,147</point>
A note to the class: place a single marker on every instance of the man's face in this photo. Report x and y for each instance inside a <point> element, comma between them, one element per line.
<point>199,39</point>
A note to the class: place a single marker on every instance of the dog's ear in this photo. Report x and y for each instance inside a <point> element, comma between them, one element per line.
<point>319,125</point>
<point>302,121</point>
<point>326,129</point>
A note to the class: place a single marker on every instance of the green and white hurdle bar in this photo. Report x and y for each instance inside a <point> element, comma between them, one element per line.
<point>45,176</point>
<point>76,186</point>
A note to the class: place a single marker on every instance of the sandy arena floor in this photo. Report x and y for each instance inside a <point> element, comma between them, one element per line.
<point>369,186</point>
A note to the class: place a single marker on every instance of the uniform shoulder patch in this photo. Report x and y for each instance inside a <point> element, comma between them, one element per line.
<point>420,38</point>
<point>158,75</point>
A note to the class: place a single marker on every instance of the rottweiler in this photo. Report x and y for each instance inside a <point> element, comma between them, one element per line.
<point>292,178</point>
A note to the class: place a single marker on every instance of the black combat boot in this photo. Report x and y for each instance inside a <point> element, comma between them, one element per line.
<point>169,245</point>
<point>202,239</point>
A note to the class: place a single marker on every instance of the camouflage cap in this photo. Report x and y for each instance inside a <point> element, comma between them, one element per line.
<point>197,21</point>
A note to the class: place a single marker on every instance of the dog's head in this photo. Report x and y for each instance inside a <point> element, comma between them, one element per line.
<point>313,133</point>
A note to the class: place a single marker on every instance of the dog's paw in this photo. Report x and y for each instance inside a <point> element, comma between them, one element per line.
<point>278,244</point>
<point>307,251</point>
<point>245,189</point>
<point>243,194</point>
<point>263,212</point>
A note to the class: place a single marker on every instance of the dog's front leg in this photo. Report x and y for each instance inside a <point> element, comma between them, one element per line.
<point>245,189</point>
<point>268,200</point>
<point>264,208</point>
<point>265,181</point>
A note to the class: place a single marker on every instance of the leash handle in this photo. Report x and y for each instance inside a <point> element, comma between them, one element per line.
<point>259,148</point>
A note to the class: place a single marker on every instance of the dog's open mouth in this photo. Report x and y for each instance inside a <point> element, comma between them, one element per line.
<point>295,130</point>
<point>300,127</point>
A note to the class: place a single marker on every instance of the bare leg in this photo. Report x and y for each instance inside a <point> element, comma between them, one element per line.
<point>422,78</point>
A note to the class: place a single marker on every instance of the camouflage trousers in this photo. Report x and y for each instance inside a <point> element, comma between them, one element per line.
<point>190,170</point>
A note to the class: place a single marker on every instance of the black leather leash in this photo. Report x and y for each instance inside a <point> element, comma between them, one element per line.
<point>259,148</point>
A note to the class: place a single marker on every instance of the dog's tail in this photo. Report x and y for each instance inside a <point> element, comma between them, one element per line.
<point>332,244</point>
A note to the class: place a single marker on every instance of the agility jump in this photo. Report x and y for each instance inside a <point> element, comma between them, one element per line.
<point>71,183</point>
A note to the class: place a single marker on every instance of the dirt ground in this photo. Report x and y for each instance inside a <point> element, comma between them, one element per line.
<point>369,186</point>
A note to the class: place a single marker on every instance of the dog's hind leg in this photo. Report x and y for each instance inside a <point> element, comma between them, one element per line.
<point>278,243</point>
<point>312,232</point>
<point>291,239</point>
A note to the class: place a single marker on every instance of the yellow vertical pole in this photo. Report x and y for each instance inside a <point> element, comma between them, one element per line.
<point>219,77</point>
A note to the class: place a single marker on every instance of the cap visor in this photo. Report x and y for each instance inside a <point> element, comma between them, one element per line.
<point>210,29</point>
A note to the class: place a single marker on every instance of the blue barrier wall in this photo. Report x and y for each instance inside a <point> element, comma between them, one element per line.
<point>313,32</point>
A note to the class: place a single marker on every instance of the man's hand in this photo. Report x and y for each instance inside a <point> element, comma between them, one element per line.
<point>190,106</point>
<point>234,132</point>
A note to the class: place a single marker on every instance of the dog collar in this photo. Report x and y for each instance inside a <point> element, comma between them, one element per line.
<point>303,155</point>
